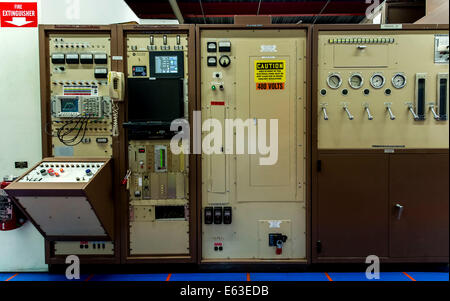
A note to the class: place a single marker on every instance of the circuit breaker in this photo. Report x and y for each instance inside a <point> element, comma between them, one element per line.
<point>256,78</point>
<point>158,71</point>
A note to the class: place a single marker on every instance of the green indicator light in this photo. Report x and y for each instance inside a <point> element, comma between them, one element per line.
<point>213,87</point>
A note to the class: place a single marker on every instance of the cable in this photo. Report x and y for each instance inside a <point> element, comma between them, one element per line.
<point>321,11</point>
<point>115,119</point>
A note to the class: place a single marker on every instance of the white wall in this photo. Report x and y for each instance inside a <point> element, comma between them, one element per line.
<point>20,134</point>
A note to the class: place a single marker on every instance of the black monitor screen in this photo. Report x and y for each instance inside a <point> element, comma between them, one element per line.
<point>155,100</point>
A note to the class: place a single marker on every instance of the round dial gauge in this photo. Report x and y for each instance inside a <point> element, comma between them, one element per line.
<point>399,80</point>
<point>356,81</point>
<point>334,81</point>
<point>377,81</point>
<point>224,61</point>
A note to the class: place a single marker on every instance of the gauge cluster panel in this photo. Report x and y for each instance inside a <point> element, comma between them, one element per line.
<point>374,92</point>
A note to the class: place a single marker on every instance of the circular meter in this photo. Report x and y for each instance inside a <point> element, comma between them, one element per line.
<point>399,80</point>
<point>377,81</point>
<point>356,81</point>
<point>224,61</point>
<point>334,81</point>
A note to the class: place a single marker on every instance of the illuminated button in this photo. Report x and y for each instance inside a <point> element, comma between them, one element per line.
<point>61,170</point>
<point>213,87</point>
<point>56,174</point>
<point>88,172</point>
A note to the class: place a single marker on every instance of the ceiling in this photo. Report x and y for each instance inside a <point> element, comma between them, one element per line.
<point>222,12</point>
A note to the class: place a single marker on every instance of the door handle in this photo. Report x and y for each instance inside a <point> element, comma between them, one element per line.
<point>399,210</point>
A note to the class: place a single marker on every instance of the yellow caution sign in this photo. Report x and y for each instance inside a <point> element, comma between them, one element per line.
<point>270,71</point>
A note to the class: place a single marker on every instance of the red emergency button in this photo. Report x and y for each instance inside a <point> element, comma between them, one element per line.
<point>56,174</point>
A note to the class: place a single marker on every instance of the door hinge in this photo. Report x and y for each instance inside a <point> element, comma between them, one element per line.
<point>319,165</point>
<point>318,246</point>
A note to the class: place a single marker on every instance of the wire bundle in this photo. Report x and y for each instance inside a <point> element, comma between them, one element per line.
<point>63,132</point>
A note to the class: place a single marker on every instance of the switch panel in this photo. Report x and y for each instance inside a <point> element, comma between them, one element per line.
<point>79,65</point>
<point>393,100</point>
<point>253,75</point>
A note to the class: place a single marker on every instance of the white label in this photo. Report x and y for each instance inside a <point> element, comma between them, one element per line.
<point>140,182</point>
<point>224,44</point>
<point>274,224</point>
<point>72,56</point>
<point>100,56</point>
<point>268,48</point>
<point>86,56</point>
<point>101,70</point>
<point>58,56</point>
<point>391,26</point>
<point>117,58</point>
<point>389,150</point>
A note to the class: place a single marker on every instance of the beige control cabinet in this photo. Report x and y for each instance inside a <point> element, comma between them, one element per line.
<point>160,72</point>
<point>77,113</point>
<point>251,211</point>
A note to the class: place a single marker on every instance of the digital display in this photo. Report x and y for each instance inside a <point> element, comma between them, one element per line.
<point>139,71</point>
<point>69,105</point>
<point>166,64</point>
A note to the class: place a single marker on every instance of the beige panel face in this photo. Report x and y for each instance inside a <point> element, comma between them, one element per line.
<point>94,134</point>
<point>383,60</point>
<point>159,179</point>
<point>63,216</point>
<point>255,192</point>
<point>84,248</point>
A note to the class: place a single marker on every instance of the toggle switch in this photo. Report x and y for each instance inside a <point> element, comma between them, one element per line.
<point>345,107</point>
<point>388,108</point>
<point>324,110</point>
<point>411,110</point>
<point>432,107</point>
<point>366,108</point>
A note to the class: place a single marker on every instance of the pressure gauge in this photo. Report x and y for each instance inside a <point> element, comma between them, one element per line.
<point>399,80</point>
<point>356,81</point>
<point>377,81</point>
<point>334,81</point>
<point>224,61</point>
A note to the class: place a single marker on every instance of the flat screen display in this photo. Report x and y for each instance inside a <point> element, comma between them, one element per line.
<point>166,64</point>
<point>159,100</point>
<point>69,105</point>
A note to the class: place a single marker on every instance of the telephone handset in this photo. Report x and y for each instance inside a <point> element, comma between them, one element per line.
<point>116,81</point>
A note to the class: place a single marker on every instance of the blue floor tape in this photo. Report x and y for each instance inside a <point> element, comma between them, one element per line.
<point>384,276</point>
<point>4,276</point>
<point>288,277</point>
<point>209,277</point>
<point>429,276</point>
<point>129,277</point>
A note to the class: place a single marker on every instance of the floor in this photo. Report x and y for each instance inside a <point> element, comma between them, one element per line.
<point>386,276</point>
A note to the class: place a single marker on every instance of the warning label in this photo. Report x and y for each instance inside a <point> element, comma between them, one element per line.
<point>270,71</point>
<point>269,86</point>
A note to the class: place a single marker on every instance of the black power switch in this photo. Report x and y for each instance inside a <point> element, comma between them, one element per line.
<point>227,215</point>
<point>208,215</point>
<point>217,215</point>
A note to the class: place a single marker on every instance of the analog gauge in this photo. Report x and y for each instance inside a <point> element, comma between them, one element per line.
<point>224,61</point>
<point>399,80</point>
<point>377,81</point>
<point>356,81</point>
<point>334,81</point>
